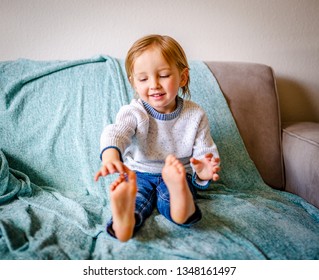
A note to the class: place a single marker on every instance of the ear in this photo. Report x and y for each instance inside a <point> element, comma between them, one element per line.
<point>184,77</point>
<point>131,81</point>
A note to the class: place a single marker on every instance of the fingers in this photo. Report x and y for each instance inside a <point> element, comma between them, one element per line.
<point>101,173</point>
<point>126,169</point>
<point>97,176</point>
<point>211,157</point>
<point>194,161</point>
<point>111,168</point>
<point>217,160</point>
<point>114,167</point>
<point>214,173</point>
<point>207,168</point>
<point>216,169</point>
<point>215,177</point>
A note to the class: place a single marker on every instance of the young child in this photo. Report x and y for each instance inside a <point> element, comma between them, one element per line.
<point>162,137</point>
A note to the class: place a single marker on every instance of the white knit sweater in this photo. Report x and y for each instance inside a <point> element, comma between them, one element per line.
<point>145,137</point>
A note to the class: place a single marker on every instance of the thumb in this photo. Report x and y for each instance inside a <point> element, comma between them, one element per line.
<point>194,161</point>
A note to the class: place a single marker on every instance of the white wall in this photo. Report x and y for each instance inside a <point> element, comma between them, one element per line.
<point>281,33</point>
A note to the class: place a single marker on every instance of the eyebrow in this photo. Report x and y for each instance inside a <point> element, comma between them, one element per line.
<point>159,70</point>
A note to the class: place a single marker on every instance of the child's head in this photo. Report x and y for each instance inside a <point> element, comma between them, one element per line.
<point>170,49</point>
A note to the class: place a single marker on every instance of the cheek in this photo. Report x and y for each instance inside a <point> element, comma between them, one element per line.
<point>172,86</point>
<point>141,89</point>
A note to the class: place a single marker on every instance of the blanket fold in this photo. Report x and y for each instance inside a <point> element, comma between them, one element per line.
<point>12,182</point>
<point>29,211</point>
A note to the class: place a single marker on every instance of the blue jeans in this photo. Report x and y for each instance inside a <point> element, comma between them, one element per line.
<point>152,191</point>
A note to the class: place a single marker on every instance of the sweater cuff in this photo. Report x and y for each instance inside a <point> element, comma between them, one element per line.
<point>200,184</point>
<point>111,147</point>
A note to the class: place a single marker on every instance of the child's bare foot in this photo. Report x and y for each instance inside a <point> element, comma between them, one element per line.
<point>181,199</point>
<point>123,193</point>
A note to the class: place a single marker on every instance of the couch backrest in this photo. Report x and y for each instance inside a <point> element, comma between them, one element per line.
<point>250,91</point>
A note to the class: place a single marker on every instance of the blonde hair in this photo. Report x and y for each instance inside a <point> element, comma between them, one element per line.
<point>170,48</point>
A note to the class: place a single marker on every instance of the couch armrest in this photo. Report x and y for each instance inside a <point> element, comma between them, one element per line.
<point>301,160</point>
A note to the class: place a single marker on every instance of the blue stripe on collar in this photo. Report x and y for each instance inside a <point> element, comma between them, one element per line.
<point>164,117</point>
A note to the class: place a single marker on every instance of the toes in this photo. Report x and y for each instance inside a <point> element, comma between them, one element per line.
<point>118,181</point>
<point>170,159</point>
<point>180,167</point>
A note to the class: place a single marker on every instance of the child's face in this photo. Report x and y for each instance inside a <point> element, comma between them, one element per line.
<point>156,81</point>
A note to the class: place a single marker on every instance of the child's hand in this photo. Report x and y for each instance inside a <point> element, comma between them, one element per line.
<point>111,164</point>
<point>110,168</point>
<point>206,168</point>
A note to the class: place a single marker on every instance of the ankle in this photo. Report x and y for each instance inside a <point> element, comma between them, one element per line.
<point>181,216</point>
<point>123,233</point>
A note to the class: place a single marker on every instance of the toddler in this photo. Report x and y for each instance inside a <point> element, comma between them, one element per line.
<point>160,143</point>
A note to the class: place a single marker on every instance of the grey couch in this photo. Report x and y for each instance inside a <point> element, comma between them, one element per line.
<point>287,156</point>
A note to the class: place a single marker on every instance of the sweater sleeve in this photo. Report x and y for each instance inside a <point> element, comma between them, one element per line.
<point>119,135</point>
<point>204,144</point>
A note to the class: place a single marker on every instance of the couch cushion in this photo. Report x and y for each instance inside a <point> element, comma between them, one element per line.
<point>301,158</point>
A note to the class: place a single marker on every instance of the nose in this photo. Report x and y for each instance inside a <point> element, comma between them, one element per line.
<point>155,84</point>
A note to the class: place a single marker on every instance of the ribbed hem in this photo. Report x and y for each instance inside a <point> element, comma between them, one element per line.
<point>196,180</point>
